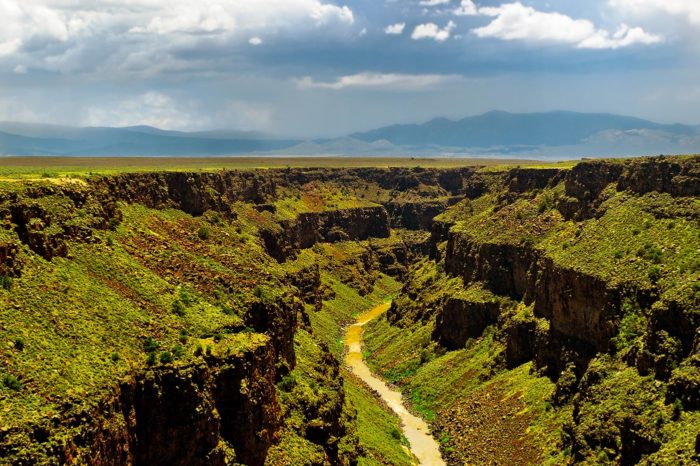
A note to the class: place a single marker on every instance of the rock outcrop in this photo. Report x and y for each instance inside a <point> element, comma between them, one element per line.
<point>461,319</point>
<point>212,412</point>
<point>331,226</point>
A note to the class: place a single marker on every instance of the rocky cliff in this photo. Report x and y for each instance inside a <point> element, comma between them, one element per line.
<point>583,265</point>
<point>589,273</point>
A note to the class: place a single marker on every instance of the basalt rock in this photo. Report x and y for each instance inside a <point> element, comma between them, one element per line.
<point>278,319</point>
<point>308,281</point>
<point>586,181</point>
<point>461,319</point>
<point>507,270</point>
<point>521,180</point>
<point>678,177</point>
<point>10,265</point>
<point>331,226</point>
<point>209,413</point>
<point>194,193</point>
<point>47,218</point>
<point>417,215</point>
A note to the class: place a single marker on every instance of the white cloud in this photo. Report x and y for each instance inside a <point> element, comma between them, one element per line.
<point>623,37</point>
<point>20,69</point>
<point>466,8</point>
<point>515,21</point>
<point>401,82</point>
<point>433,31</point>
<point>152,109</point>
<point>59,34</point>
<point>689,9</point>
<point>396,29</point>
<point>255,41</point>
<point>434,2</point>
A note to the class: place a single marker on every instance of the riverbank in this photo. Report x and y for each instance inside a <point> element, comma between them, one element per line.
<point>422,444</point>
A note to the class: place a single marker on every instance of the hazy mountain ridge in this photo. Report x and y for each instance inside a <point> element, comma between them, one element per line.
<point>553,134</point>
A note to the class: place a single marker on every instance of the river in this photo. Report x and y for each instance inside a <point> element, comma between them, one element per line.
<point>422,444</point>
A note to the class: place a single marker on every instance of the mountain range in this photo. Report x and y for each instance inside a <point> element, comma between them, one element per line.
<point>548,135</point>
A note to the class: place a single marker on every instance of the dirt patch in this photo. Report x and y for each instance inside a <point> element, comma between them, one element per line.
<point>488,427</point>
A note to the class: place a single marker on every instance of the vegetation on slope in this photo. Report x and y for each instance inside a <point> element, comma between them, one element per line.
<point>618,391</point>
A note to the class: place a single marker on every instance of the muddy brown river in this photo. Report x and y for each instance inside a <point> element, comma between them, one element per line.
<point>423,445</point>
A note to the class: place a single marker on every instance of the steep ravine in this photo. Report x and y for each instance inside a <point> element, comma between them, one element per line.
<point>187,318</point>
<point>417,432</point>
<point>589,279</point>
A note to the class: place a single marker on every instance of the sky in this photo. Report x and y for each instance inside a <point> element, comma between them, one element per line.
<point>316,68</point>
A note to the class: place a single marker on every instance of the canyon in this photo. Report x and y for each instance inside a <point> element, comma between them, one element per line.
<point>540,315</point>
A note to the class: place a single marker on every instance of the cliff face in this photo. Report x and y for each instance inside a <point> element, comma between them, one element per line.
<point>286,239</point>
<point>586,181</point>
<point>608,322</point>
<point>194,193</point>
<point>46,218</point>
<point>213,412</point>
<point>461,319</point>
<point>578,305</point>
<point>515,277</point>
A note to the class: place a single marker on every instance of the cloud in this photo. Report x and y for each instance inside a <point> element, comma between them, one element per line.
<point>515,21</point>
<point>689,9</point>
<point>399,82</point>
<point>246,116</point>
<point>434,2</point>
<point>395,29</point>
<point>466,8</point>
<point>152,109</point>
<point>255,41</point>
<point>62,35</point>
<point>433,31</point>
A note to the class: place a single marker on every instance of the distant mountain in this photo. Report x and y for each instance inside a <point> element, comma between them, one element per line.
<point>29,139</point>
<point>547,135</point>
<point>496,128</point>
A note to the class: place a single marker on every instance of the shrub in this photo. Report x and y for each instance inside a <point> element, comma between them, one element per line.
<point>654,273</point>
<point>204,233</point>
<point>677,409</point>
<point>288,383</point>
<point>178,308</point>
<point>198,350</point>
<point>651,253</point>
<point>114,357</point>
<point>11,382</point>
<point>5,282</point>
<point>151,359</point>
<point>19,344</point>
<point>178,351</point>
<point>150,345</point>
<point>425,356</point>
<point>184,336</point>
<point>166,357</point>
<point>395,433</point>
<point>185,297</point>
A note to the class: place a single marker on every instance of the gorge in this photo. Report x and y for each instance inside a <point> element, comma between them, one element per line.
<point>540,315</point>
